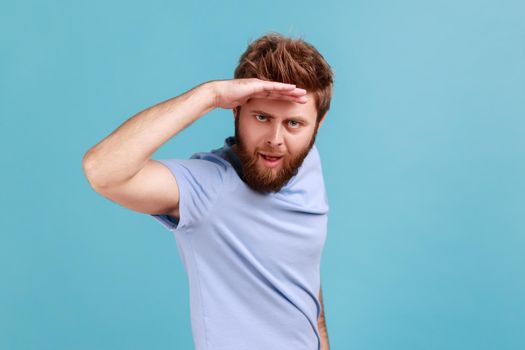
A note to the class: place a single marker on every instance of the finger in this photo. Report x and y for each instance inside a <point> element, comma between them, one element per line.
<point>294,93</point>
<point>284,87</point>
<point>269,94</point>
<point>277,96</point>
<point>279,86</point>
<point>273,86</point>
<point>300,99</point>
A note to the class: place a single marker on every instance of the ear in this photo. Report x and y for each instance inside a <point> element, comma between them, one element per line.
<point>236,111</point>
<point>321,121</point>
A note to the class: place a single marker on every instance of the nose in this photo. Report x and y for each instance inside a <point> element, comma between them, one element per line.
<point>275,136</point>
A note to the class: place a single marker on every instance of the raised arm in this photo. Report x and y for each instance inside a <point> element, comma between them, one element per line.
<point>119,167</point>
<point>321,324</point>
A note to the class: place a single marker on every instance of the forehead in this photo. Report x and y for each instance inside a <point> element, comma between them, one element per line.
<point>283,109</point>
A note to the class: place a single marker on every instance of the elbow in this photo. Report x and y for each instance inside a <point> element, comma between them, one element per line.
<point>88,167</point>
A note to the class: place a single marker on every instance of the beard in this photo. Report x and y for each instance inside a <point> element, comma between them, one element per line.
<point>267,179</point>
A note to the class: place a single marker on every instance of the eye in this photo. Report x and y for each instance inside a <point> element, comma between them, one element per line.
<point>260,117</point>
<point>294,124</point>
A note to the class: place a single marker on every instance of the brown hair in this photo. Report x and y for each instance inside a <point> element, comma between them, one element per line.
<point>275,57</point>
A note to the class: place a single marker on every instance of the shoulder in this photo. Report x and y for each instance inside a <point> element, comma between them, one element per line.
<point>200,162</point>
<point>210,159</point>
<point>202,169</point>
<point>307,188</point>
<point>311,168</point>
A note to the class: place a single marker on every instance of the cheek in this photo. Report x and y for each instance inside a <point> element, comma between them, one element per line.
<point>253,137</point>
<point>299,142</point>
<point>250,140</point>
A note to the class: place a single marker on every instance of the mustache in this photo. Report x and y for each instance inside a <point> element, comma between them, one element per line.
<point>271,151</point>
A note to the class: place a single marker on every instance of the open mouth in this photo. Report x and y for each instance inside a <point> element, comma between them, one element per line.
<point>271,160</point>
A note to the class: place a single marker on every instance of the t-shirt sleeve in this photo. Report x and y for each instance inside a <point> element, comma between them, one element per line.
<point>200,181</point>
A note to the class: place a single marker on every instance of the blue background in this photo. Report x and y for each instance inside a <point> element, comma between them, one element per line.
<point>423,153</point>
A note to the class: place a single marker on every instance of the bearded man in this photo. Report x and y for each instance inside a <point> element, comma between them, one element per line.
<point>249,218</point>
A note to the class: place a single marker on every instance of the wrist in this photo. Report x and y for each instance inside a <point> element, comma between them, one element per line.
<point>209,93</point>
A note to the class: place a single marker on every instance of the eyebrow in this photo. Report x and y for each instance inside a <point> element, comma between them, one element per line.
<point>301,119</point>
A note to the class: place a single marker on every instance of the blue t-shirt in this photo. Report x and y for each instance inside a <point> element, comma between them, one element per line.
<point>252,259</point>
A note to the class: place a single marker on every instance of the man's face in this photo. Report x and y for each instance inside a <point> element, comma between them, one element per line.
<point>272,139</point>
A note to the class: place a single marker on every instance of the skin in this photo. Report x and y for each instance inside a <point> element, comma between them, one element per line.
<point>120,167</point>
<point>268,126</point>
<point>285,129</point>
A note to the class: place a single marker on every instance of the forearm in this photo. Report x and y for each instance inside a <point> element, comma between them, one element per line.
<point>325,345</point>
<point>123,153</point>
<point>321,325</point>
